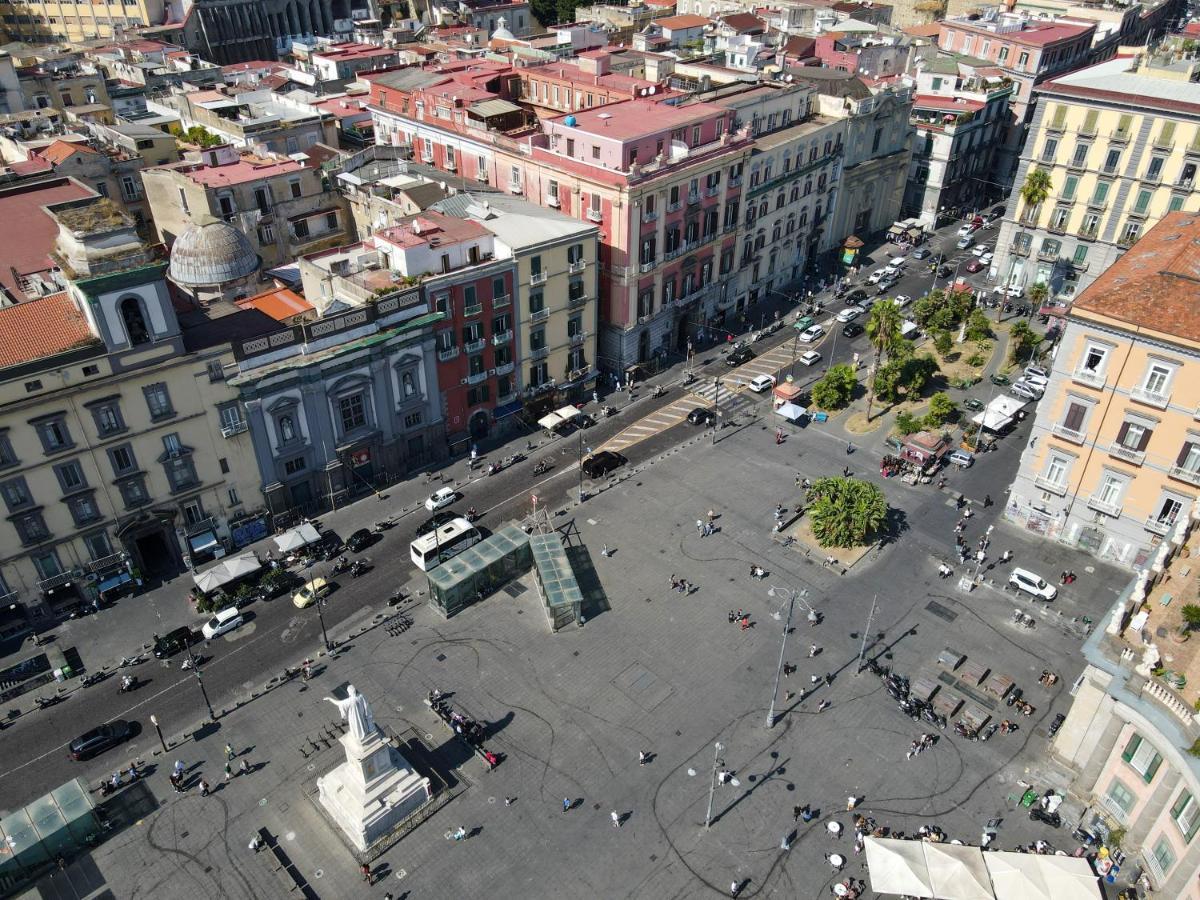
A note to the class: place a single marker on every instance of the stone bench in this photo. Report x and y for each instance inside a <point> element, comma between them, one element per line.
<point>285,868</point>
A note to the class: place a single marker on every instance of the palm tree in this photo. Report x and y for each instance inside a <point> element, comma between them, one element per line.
<point>1038,293</point>
<point>883,330</point>
<point>1036,189</point>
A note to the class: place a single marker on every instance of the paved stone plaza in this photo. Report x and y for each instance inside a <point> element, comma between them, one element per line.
<point>651,670</point>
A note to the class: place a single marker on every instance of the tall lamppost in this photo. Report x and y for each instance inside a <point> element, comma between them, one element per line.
<point>793,596</point>
<point>712,784</point>
<point>212,716</point>
<point>161,740</point>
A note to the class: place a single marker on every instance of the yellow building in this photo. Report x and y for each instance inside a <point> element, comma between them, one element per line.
<point>1114,460</point>
<point>1120,142</point>
<point>51,20</point>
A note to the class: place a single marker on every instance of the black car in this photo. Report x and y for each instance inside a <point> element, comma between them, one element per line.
<point>944,271</point>
<point>359,541</point>
<point>174,641</point>
<point>856,298</point>
<point>852,329</point>
<point>600,464</point>
<point>739,356</point>
<point>702,415</point>
<point>96,741</point>
<point>436,521</point>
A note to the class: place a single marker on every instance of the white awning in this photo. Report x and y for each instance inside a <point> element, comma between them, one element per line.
<point>1031,876</point>
<point>958,871</point>
<point>300,536</point>
<point>550,421</point>
<point>567,413</point>
<point>898,867</point>
<point>999,413</point>
<point>227,570</point>
<point>792,412</point>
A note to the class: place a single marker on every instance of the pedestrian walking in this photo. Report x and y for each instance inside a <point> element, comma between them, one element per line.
<point>734,889</point>
<point>813,679</point>
<point>566,804</point>
<point>508,801</point>
<point>616,819</point>
<point>822,706</point>
<point>244,768</point>
<point>711,515</point>
<point>604,551</point>
<point>828,678</point>
<point>204,788</point>
<point>796,811</point>
<point>851,802</point>
<point>987,500</point>
<point>229,754</point>
<point>228,773</point>
<point>460,833</point>
<point>700,527</point>
<point>178,768</point>
<point>812,651</point>
<point>786,843</point>
<point>1005,556</point>
<point>674,583</point>
<point>641,757</point>
<point>365,871</point>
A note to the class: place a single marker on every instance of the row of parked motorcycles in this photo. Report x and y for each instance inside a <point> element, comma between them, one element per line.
<point>360,566</point>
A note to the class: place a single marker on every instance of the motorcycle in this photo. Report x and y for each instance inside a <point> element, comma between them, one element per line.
<point>383,526</point>
<point>658,391</point>
<point>933,718</point>
<point>127,661</point>
<point>129,683</point>
<point>93,678</point>
<point>608,411</point>
<point>962,729</point>
<point>689,377</point>
<point>342,565</point>
<point>493,468</point>
<point>541,467</point>
<point>471,514</point>
<point>1013,696</point>
<point>989,731</point>
<point>1053,819</point>
<point>360,567</point>
<point>46,702</point>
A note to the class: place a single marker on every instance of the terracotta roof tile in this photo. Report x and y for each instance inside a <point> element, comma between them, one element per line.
<point>61,150</point>
<point>27,233</point>
<point>1156,283</point>
<point>280,304</point>
<point>39,328</point>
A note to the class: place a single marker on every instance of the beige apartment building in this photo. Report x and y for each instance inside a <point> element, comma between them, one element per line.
<point>50,20</point>
<point>1114,460</point>
<point>123,453</point>
<point>1121,143</point>
<point>282,205</point>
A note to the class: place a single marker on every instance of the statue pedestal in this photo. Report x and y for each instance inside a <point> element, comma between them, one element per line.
<point>372,791</point>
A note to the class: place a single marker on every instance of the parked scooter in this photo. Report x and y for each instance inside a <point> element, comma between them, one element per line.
<point>342,565</point>
<point>989,731</point>
<point>93,678</point>
<point>1056,724</point>
<point>1053,819</point>
<point>360,567</point>
<point>541,467</point>
<point>658,391</point>
<point>962,729</point>
<point>383,526</point>
<point>52,700</point>
<point>129,683</point>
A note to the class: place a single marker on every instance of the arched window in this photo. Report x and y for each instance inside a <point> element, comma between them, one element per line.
<point>803,217</point>
<point>817,213</point>
<point>407,384</point>
<point>775,233</point>
<point>779,200</point>
<point>287,429</point>
<point>760,240</point>
<point>791,224</point>
<point>807,186</point>
<point>763,208</point>
<point>795,193</point>
<point>135,321</point>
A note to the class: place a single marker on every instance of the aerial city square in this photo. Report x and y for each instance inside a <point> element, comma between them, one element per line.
<point>650,449</point>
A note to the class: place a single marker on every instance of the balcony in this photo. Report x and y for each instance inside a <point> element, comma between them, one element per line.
<point>505,399</point>
<point>1056,126</point>
<point>1069,434</point>
<point>1088,234</point>
<point>55,581</point>
<point>674,207</point>
<point>1185,183</point>
<point>538,277</point>
<point>1119,137</point>
<point>595,215</point>
<point>501,301</point>
<point>1103,506</point>
<point>228,431</point>
<point>1127,240</point>
<point>539,315</point>
<point>1157,525</point>
<point>505,369</point>
<point>1128,454</point>
<point>473,310</point>
<point>712,191</point>
<point>574,268</point>
<point>500,338</point>
<point>552,201</point>
<point>577,339</point>
<point>1150,398</point>
<point>1048,255</point>
<point>539,353</point>
<point>1191,476</point>
<point>515,188</point>
<point>477,377</point>
<point>575,299</point>
<point>8,599</point>
<point>451,166</point>
<point>1020,249</point>
<point>474,346</point>
<point>447,355</point>
<point>1054,487</point>
<point>693,198</point>
<point>650,215</point>
<point>735,181</point>
<point>1192,149</point>
<point>647,266</point>
<point>1097,205</point>
<point>1089,377</point>
<point>1077,165</point>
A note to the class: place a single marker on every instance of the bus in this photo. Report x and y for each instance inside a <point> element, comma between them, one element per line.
<point>433,549</point>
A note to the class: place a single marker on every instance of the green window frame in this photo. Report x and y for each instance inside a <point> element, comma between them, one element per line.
<point>1070,183</point>
<point>1186,814</point>
<point>1143,201</point>
<point>1144,760</point>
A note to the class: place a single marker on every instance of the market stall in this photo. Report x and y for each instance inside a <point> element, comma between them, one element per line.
<point>227,571</point>
<point>297,538</point>
<point>792,412</point>
<point>1000,413</point>
<point>788,392</point>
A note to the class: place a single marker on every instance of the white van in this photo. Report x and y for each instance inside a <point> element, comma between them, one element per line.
<point>1031,583</point>
<point>909,329</point>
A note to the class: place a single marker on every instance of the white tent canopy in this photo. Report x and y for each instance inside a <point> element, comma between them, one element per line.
<point>300,536</point>
<point>999,413</point>
<point>1031,876</point>
<point>550,421</point>
<point>898,867</point>
<point>958,871</point>
<point>227,570</point>
<point>792,412</point>
<point>567,413</point>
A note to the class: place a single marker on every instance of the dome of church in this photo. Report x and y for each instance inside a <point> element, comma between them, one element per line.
<point>211,253</point>
<point>502,33</point>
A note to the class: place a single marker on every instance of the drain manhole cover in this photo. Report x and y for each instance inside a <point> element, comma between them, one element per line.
<point>940,611</point>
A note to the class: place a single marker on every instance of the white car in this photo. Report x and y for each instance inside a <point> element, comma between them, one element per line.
<point>1031,583</point>
<point>1037,371</point>
<point>979,249</point>
<point>897,262</point>
<point>442,497</point>
<point>760,383</point>
<point>223,622</point>
<point>849,314</point>
<point>876,276</point>
<point>1025,391</point>
<point>891,270</point>
<point>810,357</point>
<point>811,333</point>
<point>964,230</point>
<point>1014,292</point>
<point>1037,381</point>
<point>902,300</point>
<point>987,258</point>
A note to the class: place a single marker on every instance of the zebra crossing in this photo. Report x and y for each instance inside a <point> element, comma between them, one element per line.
<point>727,392</point>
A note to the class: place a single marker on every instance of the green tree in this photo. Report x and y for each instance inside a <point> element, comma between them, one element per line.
<point>845,511</point>
<point>886,381</point>
<point>565,10</point>
<point>1036,189</point>
<point>1191,616</point>
<point>907,423</point>
<point>883,331</point>
<point>837,387</point>
<point>943,341</point>
<point>941,408</point>
<point>979,328</point>
<point>545,11</point>
<point>1038,294</point>
<point>1023,340</point>
<point>916,372</point>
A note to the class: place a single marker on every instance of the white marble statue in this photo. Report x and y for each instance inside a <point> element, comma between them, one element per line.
<point>357,712</point>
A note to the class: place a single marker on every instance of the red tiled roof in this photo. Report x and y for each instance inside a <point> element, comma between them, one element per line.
<point>947,104</point>
<point>32,166</point>
<point>280,304</point>
<point>26,233</point>
<point>675,22</point>
<point>666,4</point>
<point>744,23</point>
<point>39,328</point>
<point>1153,286</point>
<point>59,151</point>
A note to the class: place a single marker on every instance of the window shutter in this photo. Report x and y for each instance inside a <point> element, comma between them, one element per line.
<point>1089,121</point>
<point>1167,134</point>
<point>1060,116</point>
<point>1131,747</point>
<point>1145,439</point>
<point>1124,125</point>
<point>1122,433</point>
<point>1075,415</point>
<point>1152,768</point>
<point>1183,454</point>
<point>1180,804</point>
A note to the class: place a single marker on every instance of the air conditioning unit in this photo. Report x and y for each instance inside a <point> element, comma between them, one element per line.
<point>463,381</point>
<point>491,371</point>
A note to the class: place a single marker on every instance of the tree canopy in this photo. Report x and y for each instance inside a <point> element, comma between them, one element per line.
<point>845,512</point>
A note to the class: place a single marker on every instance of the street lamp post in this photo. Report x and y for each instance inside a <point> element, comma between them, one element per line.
<point>324,633</point>
<point>712,784</point>
<point>212,716</point>
<point>154,722</point>
<point>581,496</point>
<point>862,651</point>
<point>787,627</point>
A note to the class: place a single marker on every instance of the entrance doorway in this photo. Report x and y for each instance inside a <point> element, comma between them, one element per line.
<point>480,424</point>
<point>156,556</point>
<point>643,345</point>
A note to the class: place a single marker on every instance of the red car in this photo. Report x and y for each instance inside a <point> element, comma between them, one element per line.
<point>975,265</point>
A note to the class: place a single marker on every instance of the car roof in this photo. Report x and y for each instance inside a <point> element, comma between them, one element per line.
<point>224,615</point>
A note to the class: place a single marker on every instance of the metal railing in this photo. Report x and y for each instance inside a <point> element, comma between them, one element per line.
<point>1088,377</point>
<point>538,277</point>
<point>473,310</point>
<point>1150,398</point>
<point>1191,476</point>
<point>1128,454</point>
<point>1070,434</point>
<point>1054,487</point>
<point>1158,526</point>
<point>447,354</point>
<point>228,431</point>
<point>539,315</point>
<point>474,346</point>
<point>501,301</point>
<point>1103,506</point>
<point>576,267</point>
<point>501,337</point>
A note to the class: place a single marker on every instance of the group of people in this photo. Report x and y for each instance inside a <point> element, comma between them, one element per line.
<point>681,584</point>
<point>741,617</point>
<point>113,783</point>
<point>469,730</point>
<point>924,742</point>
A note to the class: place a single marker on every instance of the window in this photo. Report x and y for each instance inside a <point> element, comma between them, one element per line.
<point>1059,218</point>
<point>1188,460</point>
<point>294,188</point>
<point>122,460</point>
<point>135,321</point>
<point>7,456</point>
<point>1049,150</point>
<point>108,418</point>
<point>158,401</point>
<point>31,527</point>
<point>1070,183</point>
<point>15,493</point>
<point>70,476</point>
<point>1154,170</point>
<point>1111,160</point>
<point>1100,195</point>
<point>1110,490</point>
<point>98,545</point>
<point>129,187</point>
<point>1143,202</point>
<point>1186,813</point>
<point>47,564</point>
<point>295,465</point>
<point>1163,855</point>
<point>1080,257</point>
<point>1120,796</point>
<point>31,386</point>
<point>331,222</point>
<point>1081,153</point>
<point>83,509</point>
<point>1076,413</point>
<point>1142,757</point>
<point>234,499</point>
<point>54,435</point>
<point>537,339</point>
<point>1157,379</point>
<point>412,420</point>
<point>181,474</point>
<point>300,229</point>
<point>353,412</point>
<point>1022,60</point>
<point>133,492</point>
<point>1056,470</point>
<point>1050,248</point>
<point>1134,435</point>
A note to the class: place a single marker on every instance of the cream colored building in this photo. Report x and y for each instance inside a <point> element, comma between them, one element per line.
<point>1121,143</point>
<point>50,20</point>
<point>1114,460</point>
<point>123,454</point>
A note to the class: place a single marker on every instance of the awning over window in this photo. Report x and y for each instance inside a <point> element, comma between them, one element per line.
<point>205,540</point>
<point>114,581</point>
